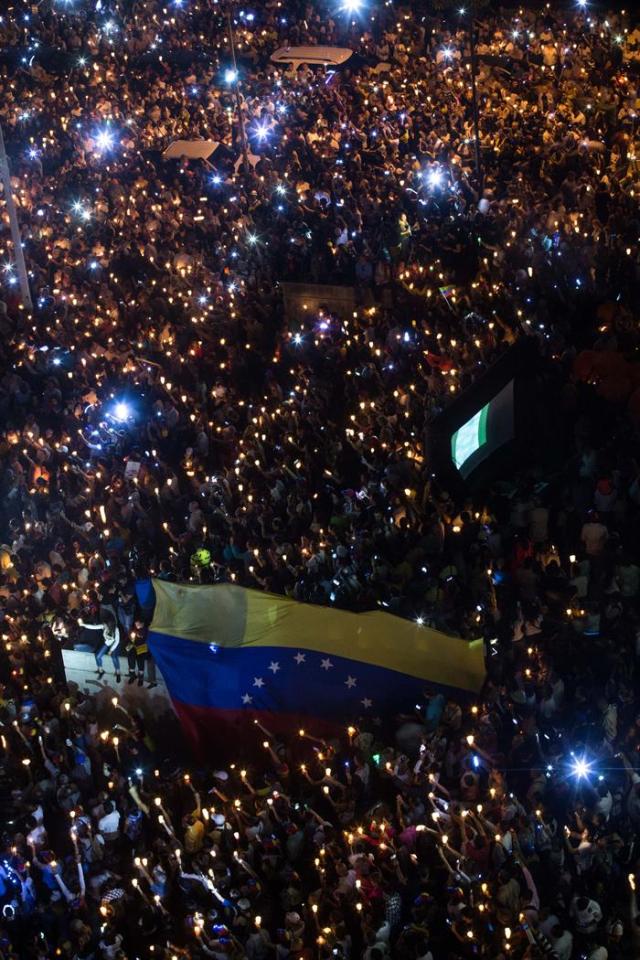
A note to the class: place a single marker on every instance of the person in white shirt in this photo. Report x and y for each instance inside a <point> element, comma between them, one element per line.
<point>587,914</point>
<point>109,824</point>
<point>605,801</point>
<point>37,837</point>
<point>111,637</point>
<point>594,535</point>
<point>561,941</point>
<point>598,952</point>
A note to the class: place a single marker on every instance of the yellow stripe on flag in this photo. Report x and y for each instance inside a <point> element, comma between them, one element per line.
<point>231,616</point>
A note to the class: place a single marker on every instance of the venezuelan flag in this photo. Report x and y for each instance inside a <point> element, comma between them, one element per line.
<point>230,655</point>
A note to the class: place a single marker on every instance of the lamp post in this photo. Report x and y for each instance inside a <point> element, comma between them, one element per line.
<point>475,109</point>
<point>474,103</point>
<point>5,174</point>
<point>243,136</point>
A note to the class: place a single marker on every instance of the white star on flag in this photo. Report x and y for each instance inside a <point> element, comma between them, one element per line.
<point>300,658</point>
<point>326,664</point>
<point>350,682</point>
<point>274,666</point>
<point>246,698</point>
<point>258,682</point>
<point>366,703</point>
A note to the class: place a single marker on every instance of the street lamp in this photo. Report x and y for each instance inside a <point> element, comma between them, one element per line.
<point>231,76</point>
<point>475,111</point>
<point>18,252</point>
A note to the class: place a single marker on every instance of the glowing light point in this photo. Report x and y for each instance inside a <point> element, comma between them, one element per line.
<point>104,140</point>
<point>580,768</point>
<point>230,75</point>
<point>121,411</point>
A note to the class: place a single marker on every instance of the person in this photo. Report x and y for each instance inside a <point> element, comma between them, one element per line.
<point>587,914</point>
<point>109,822</point>
<point>137,652</point>
<point>561,941</point>
<point>111,642</point>
<point>594,535</point>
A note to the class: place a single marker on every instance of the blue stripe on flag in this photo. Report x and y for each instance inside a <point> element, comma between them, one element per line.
<point>282,680</point>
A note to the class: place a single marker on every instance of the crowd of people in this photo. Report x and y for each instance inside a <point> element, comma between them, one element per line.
<point>161,413</point>
<point>159,399</point>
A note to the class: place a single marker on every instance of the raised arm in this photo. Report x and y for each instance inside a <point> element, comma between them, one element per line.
<point>133,793</point>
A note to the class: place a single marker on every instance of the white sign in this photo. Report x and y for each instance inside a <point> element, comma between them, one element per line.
<point>193,149</point>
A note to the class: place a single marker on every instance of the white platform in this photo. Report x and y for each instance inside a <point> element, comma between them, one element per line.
<point>80,669</point>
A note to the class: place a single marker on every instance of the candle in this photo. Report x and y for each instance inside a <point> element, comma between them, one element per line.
<point>21,735</point>
<point>136,886</point>
<point>264,729</point>
<point>141,865</point>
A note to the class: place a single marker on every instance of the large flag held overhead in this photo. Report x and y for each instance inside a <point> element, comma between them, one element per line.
<point>230,656</point>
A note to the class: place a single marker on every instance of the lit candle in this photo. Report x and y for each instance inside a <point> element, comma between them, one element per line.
<point>136,886</point>
<point>21,735</point>
<point>266,732</point>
